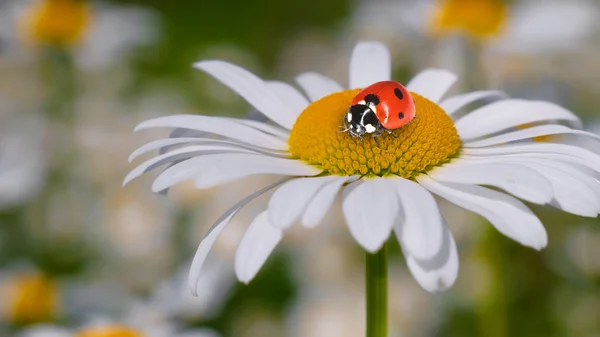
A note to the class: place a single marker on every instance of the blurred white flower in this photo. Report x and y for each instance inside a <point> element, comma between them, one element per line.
<point>139,319</point>
<point>28,297</point>
<point>108,33</point>
<point>549,26</point>
<point>530,26</point>
<point>133,229</point>
<point>23,161</point>
<point>115,31</point>
<point>46,330</point>
<point>175,300</point>
<point>583,247</point>
<point>106,328</point>
<point>328,312</point>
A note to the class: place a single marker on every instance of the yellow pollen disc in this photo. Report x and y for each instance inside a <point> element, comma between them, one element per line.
<point>31,298</point>
<point>427,141</point>
<point>477,18</point>
<point>56,22</point>
<point>109,331</point>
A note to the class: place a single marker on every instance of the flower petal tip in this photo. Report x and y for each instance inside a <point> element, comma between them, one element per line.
<point>203,63</point>
<point>371,44</point>
<point>128,178</point>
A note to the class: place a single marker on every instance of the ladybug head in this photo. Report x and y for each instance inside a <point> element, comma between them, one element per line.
<point>361,120</point>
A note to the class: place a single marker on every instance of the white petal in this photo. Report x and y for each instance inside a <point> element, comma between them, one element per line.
<point>203,250</point>
<point>370,63</point>
<point>439,272</point>
<point>289,201</point>
<point>432,83</point>
<point>583,175</point>
<point>577,162</point>
<point>535,131</point>
<point>587,187</point>
<point>214,231</point>
<point>220,126</point>
<point>180,154</point>
<point>253,89</point>
<point>317,86</point>
<point>161,143</point>
<point>290,96</point>
<point>230,169</point>
<point>573,192</point>
<point>256,245</point>
<point>518,180</point>
<point>322,201</point>
<point>371,208</point>
<point>590,157</point>
<point>455,103</point>
<point>421,230</point>
<point>271,129</point>
<point>560,161</point>
<point>45,330</point>
<point>220,168</point>
<point>510,113</point>
<point>510,216</point>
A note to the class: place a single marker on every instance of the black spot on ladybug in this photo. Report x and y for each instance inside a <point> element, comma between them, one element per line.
<point>400,115</point>
<point>370,98</point>
<point>398,93</point>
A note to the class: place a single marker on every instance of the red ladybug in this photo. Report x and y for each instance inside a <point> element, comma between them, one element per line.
<point>382,106</point>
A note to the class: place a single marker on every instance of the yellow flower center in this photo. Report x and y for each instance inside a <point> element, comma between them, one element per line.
<point>109,331</point>
<point>56,22</point>
<point>30,298</point>
<point>480,19</point>
<point>427,141</point>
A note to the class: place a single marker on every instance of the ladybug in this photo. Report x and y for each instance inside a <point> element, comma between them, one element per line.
<point>382,106</point>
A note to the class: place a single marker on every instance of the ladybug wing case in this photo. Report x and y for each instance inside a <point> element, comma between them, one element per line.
<point>396,108</point>
<point>373,89</point>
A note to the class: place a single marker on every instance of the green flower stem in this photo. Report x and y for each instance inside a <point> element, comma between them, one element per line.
<point>377,301</point>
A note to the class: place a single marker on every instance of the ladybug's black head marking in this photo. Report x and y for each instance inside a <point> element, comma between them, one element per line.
<point>361,120</point>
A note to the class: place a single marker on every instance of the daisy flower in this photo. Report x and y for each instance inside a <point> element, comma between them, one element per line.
<point>98,33</point>
<point>388,185</point>
<point>28,297</point>
<point>108,329</point>
<point>23,162</point>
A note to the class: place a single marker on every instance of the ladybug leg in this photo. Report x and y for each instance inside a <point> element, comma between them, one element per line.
<point>391,134</point>
<point>377,134</point>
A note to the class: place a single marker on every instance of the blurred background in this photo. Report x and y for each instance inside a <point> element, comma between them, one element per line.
<point>82,256</point>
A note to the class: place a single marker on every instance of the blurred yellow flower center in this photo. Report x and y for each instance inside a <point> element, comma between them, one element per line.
<point>427,141</point>
<point>109,331</point>
<point>476,18</point>
<point>56,22</point>
<point>30,298</point>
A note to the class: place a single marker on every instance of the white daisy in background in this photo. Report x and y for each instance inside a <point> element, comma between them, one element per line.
<point>386,186</point>
<point>532,27</point>
<point>175,301</point>
<point>29,296</point>
<point>511,36</point>
<point>23,163</point>
<point>108,329</point>
<point>101,33</point>
<point>156,317</point>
